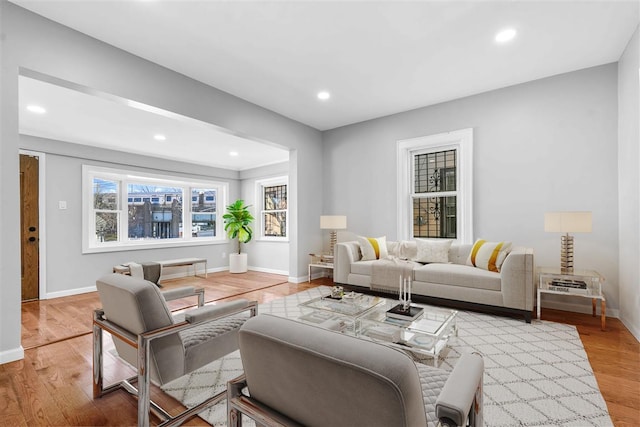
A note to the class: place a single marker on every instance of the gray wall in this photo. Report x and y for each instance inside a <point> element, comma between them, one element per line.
<point>35,43</point>
<point>629,184</point>
<point>541,146</point>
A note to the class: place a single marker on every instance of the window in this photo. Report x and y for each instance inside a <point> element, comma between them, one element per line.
<point>274,211</point>
<point>123,211</point>
<point>435,197</point>
<point>106,209</point>
<point>434,194</point>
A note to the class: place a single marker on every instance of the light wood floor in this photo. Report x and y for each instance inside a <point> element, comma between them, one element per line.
<point>52,385</point>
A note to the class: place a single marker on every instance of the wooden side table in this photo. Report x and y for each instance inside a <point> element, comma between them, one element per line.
<point>320,261</point>
<point>553,281</point>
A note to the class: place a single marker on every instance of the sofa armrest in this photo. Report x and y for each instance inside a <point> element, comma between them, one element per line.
<point>461,396</point>
<point>517,276</point>
<point>345,254</point>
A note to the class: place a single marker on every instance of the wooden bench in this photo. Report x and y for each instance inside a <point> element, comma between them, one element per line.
<point>181,262</point>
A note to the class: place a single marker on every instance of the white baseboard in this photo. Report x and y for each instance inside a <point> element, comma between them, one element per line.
<point>69,292</point>
<point>269,270</point>
<point>632,328</point>
<point>300,279</point>
<point>11,355</point>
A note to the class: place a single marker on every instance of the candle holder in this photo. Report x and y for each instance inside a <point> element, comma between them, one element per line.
<point>405,292</point>
<point>404,310</point>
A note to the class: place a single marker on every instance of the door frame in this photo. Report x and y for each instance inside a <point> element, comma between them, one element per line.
<point>42,272</point>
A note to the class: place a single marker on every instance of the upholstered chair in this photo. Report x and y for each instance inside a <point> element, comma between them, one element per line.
<point>300,374</point>
<point>160,345</point>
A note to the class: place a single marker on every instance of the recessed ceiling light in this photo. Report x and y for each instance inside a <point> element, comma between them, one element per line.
<point>233,153</point>
<point>36,109</point>
<point>324,95</point>
<point>505,35</point>
<point>159,137</point>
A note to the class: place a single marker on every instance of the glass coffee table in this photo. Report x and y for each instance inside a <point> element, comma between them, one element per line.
<point>340,313</point>
<point>366,316</point>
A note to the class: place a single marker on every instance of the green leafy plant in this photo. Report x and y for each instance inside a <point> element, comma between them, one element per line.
<point>237,222</point>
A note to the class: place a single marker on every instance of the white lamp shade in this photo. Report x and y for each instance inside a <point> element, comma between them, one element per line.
<point>567,222</point>
<point>333,222</point>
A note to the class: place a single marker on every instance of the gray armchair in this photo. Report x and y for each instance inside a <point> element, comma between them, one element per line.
<point>299,374</point>
<point>161,346</point>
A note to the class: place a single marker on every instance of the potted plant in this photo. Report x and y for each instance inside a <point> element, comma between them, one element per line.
<point>237,224</point>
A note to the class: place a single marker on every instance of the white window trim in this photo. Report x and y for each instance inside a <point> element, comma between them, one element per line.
<point>259,204</point>
<point>90,245</point>
<point>461,140</point>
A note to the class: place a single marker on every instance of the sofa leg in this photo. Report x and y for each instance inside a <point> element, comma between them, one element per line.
<point>527,317</point>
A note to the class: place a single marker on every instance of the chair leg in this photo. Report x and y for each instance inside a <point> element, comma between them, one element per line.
<point>144,404</point>
<point>97,362</point>
<point>476,416</point>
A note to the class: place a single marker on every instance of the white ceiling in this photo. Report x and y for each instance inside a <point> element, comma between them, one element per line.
<point>109,122</point>
<point>375,58</point>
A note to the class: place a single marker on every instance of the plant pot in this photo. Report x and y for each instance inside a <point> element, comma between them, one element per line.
<point>238,263</point>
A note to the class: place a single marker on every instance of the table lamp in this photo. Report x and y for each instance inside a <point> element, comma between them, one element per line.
<point>567,222</point>
<point>333,223</point>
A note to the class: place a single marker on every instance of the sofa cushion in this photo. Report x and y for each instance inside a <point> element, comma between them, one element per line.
<point>408,249</point>
<point>432,250</point>
<point>488,255</point>
<point>458,275</point>
<point>362,267</point>
<point>373,247</point>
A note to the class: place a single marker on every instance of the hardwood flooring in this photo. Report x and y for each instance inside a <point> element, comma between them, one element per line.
<point>52,384</point>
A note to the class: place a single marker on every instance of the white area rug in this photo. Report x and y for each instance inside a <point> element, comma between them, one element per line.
<point>536,374</point>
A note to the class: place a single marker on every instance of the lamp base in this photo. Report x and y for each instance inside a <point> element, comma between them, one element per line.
<point>566,254</point>
<point>333,239</point>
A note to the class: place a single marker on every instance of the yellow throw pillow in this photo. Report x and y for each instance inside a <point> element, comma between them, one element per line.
<point>488,255</point>
<point>373,248</point>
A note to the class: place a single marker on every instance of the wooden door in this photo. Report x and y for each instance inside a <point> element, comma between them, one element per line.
<point>29,227</point>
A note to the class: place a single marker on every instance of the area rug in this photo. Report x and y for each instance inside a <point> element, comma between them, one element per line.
<point>536,374</point>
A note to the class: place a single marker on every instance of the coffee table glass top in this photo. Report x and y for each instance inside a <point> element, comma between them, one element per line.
<point>352,305</point>
<point>366,316</point>
<point>428,333</point>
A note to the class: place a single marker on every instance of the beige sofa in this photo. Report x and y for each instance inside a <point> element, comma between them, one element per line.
<point>509,291</point>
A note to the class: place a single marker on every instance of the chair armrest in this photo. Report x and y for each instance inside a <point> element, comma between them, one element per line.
<point>209,312</point>
<point>461,392</point>
<point>239,404</point>
<point>177,293</point>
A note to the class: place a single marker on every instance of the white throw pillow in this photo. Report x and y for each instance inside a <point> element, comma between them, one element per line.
<point>373,248</point>
<point>488,255</point>
<point>432,250</point>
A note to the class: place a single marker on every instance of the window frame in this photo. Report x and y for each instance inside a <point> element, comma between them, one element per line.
<point>260,188</point>
<point>462,142</point>
<point>125,177</point>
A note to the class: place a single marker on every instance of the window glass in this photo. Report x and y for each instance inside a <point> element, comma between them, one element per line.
<point>106,213</point>
<point>203,212</point>
<point>147,220</point>
<point>434,199</point>
<point>274,210</point>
